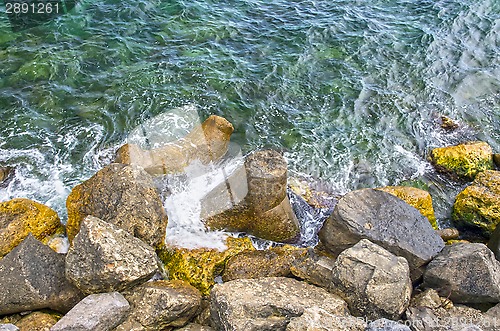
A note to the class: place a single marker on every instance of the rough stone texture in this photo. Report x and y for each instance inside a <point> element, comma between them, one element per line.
<point>5,174</point>
<point>199,267</point>
<point>478,205</point>
<point>273,262</point>
<point>373,282</point>
<point>123,195</point>
<point>195,327</point>
<point>494,243</point>
<point>206,142</point>
<point>463,160</point>
<point>314,319</point>
<point>97,312</point>
<point>32,277</point>
<point>448,234</point>
<point>19,217</point>
<point>315,268</point>
<point>466,273</point>
<point>8,327</point>
<point>496,160</point>
<point>38,321</point>
<point>161,304</point>
<point>314,196</point>
<point>415,197</point>
<point>386,221</point>
<point>105,258</point>
<point>267,303</point>
<point>384,324</point>
<point>448,124</point>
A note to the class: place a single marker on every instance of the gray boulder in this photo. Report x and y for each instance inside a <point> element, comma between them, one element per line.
<point>466,273</point>
<point>267,303</point>
<point>386,221</point>
<point>315,318</point>
<point>8,327</point>
<point>384,324</point>
<point>373,282</point>
<point>97,312</point>
<point>105,258</point>
<point>32,277</point>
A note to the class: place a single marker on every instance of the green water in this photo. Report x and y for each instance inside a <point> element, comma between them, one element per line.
<point>350,90</point>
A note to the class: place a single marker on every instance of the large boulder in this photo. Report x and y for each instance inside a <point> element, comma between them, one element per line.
<point>478,205</point>
<point>316,318</point>
<point>267,303</point>
<point>124,195</point>
<point>97,312</point>
<point>19,217</point>
<point>160,305</point>
<point>373,282</point>
<point>32,277</point>
<point>463,160</point>
<point>384,220</point>
<point>466,273</point>
<point>105,258</point>
<point>415,197</point>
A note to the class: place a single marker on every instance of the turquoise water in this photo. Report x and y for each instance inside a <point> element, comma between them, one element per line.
<point>351,90</point>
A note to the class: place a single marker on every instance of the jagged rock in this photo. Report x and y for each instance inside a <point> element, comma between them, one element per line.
<point>448,234</point>
<point>5,174</point>
<point>315,318</point>
<point>97,312</point>
<point>315,268</point>
<point>32,277</point>
<point>161,304</point>
<point>373,282</point>
<point>463,160</point>
<point>273,262</point>
<point>478,204</point>
<point>466,273</point>
<point>386,221</point>
<point>195,327</point>
<point>19,217</point>
<point>8,327</point>
<point>314,197</point>
<point>105,258</point>
<point>267,303</point>
<point>206,142</point>
<point>415,197</point>
<point>38,321</point>
<point>386,325</point>
<point>123,195</point>
<point>448,124</point>
<point>200,266</point>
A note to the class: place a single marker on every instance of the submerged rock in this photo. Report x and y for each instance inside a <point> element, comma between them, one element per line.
<point>19,217</point>
<point>38,321</point>
<point>124,195</point>
<point>478,205</point>
<point>463,160</point>
<point>315,198</point>
<point>105,258</point>
<point>448,124</point>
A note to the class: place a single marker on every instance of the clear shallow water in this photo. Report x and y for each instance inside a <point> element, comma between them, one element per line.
<point>350,90</point>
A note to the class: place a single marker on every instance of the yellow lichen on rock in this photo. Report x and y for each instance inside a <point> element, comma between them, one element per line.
<point>38,321</point>
<point>19,217</point>
<point>415,197</point>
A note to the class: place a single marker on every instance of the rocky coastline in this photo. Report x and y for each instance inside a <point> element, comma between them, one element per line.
<point>382,262</point>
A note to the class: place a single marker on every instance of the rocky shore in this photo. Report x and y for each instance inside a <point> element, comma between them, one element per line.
<point>382,262</point>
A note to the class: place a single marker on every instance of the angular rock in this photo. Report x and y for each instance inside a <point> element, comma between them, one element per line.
<point>315,318</point>
<point>466,273</point>
<point>384,324</point>
<point>105,258</point>
<point>195,327</point>
<point>8,327</point>
<point>384,220</point>
<point>448,124</point>
<point>5,174</point>
<point>314,196</point>
<point>267,303</point>
<point>463,160</point>
<point>415,197</point>
<point>124,195</point>
<point>315,268</point>
<point>32,277</point>
<point>199,267</point>
<point>449,234</point>
<point>97,312</point>
<point>19,217</point>
<point>478,204</point>
<point>373,282</point>
<point>159,305</point>
<point>38,321</point>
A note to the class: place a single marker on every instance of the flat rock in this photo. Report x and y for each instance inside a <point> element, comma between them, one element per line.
<point>97,312</point>
<point>267,303</point>
<point>32,278</point>
<point>105,258</point>
<point>315,318</point>
<point>384,324</point>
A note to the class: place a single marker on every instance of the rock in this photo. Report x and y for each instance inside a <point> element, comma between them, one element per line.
<point>267,303</point>
<point>38,321</point>
<point>273,262</point>
<point>429,298</point>
<point>315,268</point>
<point>123,195</point>
<point>19,217</point>
<point>373,282</point>
<point>161,304</point>
<point>386,325</point>
<point>314,197</point>
<point>5,174</point>
<point>206,142</point>
<point>315,318</point>
<point>415,197</point>
<point>448,124</point>
<point>8,327</point>
<point>32,277</point>
<point>199,267</point>
<point>105,258</point>
<point>195,327</point>
<point>464,160</point>
<point>478,204</point>
<point>496,160</point>
<point>97,312</point>
<point>386,221</point>
<point>448,234</point>
<point>466,273</point>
